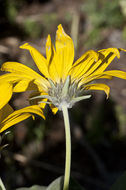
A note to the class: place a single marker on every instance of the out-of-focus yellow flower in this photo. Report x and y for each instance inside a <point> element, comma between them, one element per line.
<point>9,117</point>
<point>61,82</point>
<point>6,90</point>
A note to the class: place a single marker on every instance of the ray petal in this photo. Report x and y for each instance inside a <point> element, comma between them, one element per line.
<point>106,56</point>
<point>38,58</point>
<point>64,52</point>
<point>53,108</point>
<point>18,68</point>
<point>23,73</point>
<point>89,79</point>
<point>116,73</point>
<point>5,93</point>
<point>50,54</point>
<point>98,86</point>
<point>81,66</point>
<point>35,99</point>
<point>20,115</point>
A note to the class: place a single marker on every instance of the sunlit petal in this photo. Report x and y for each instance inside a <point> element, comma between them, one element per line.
<point>64,52</point>
<point>116,73</point>
<point>105,75</point>
<point>24,73</point>
<point>82,65</point>
<point>91,78</point>
<point>51,54</point>
<point>19,68</point>
<point>38,58</point>
<point>98,86</point>
<point>106,56</point>
<point>20,115</point>
<point>5,93</point>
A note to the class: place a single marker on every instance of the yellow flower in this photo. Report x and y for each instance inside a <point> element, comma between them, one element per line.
<point>61,84</point>
<point>9,117</point>
<point>61,81</point>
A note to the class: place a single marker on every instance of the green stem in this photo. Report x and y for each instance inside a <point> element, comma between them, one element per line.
<point>2,185</point>
<point>68,148</point>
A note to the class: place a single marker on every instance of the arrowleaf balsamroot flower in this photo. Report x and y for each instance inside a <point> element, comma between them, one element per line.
<point>61,84</point>
<point>62,81</point>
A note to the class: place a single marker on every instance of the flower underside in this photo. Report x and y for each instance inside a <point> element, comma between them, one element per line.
<point>60,94</point>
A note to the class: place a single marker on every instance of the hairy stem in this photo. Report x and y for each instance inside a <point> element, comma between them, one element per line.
<point>68,148</point>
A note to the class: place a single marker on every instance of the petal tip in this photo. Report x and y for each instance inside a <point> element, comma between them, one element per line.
<point>24,46</point>
<point>60,30</point>
<point>48,40</point>
<point>60,26</point>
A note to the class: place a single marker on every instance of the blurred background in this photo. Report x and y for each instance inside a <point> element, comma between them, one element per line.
<point>36,150</point>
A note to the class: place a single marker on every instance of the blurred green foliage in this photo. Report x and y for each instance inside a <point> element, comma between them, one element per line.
<point>93,38</point>
<point>104,13</point>
<point>101,14</point>
<point>11,9</point>
<point>32,28</point>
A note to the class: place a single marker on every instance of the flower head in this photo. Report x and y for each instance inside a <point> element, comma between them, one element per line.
<point>62,81</point>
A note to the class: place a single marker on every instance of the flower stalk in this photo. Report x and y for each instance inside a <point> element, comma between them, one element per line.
<point>68,148</point>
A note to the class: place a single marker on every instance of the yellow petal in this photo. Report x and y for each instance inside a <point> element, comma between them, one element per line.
<point>83,64</point>
<point>21,83</point>
<point>64,52</point>
<point>116,73</point>
<point>5,111</point>
<point>49,48</point>
<point>105,75</point>
<point>9,78</point>
<point>38,58</point>
<point>5,93</point>
<point>20,115</point>
<point>22,72</point>
<point>121,49</point>
<point>50,54</point>
<point>37,101</point>
<point>21,69</point>
<point>53,108</point>
<point>91,78</point>
<point>98,86</point>
<point>42,105</point>
<point>27,85</point>
<point>105,58</point>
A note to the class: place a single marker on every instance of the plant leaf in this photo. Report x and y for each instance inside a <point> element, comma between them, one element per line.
<point>57,184</point>
<point>34,187</point>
